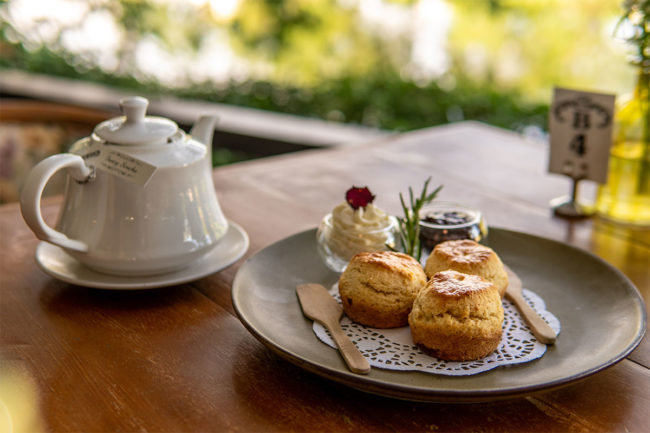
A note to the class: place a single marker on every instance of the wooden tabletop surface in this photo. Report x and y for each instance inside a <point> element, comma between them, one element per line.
<point>178,358</point>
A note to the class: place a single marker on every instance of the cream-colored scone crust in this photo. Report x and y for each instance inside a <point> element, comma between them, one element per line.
<point>378,288</point>
<point>468,257</point>
<point>457,317</point>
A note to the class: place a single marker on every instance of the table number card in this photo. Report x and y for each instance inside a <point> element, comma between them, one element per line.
<point>580,125</point>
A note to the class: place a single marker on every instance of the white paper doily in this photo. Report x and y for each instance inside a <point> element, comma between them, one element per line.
<point>393,349</point>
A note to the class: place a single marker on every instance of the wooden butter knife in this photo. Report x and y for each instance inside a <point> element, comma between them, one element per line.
<point>542,331</point>
<point>319,305</point>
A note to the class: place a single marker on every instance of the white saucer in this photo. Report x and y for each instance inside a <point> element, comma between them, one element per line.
<point>58,264</point>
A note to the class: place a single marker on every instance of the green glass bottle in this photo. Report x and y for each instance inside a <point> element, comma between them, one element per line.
<point>626,196</point>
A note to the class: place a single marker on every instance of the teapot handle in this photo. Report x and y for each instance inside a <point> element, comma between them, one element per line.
<point>30,198</point>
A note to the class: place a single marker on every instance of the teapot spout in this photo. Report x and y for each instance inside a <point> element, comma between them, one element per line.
<point>203,130</point>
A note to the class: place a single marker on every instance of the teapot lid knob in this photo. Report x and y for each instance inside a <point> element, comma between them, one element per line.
<point>134,108</point>
<point>135,128</point>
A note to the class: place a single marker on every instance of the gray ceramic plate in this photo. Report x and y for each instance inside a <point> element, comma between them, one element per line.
<point>601,312</point>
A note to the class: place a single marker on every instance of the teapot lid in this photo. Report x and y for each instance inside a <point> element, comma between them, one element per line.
<point>134,128</point>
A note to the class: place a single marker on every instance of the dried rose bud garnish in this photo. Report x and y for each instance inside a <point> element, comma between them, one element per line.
<point>359,197</point>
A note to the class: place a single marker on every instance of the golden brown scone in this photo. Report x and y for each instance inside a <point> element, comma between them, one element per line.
<point>377,289</point>
<point>457,317</point>
<point>468,257</point>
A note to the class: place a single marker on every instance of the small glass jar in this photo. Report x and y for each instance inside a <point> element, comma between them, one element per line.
<point>446,221</point>
<point>336,247</point>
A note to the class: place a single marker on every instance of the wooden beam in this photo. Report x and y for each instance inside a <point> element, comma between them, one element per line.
<point>262,132</point>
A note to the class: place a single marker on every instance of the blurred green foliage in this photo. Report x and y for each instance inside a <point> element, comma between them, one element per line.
<point>319,62</point>
<point>379,99</point>
<point>382,99</point>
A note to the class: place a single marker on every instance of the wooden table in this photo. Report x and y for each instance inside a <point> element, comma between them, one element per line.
<point>178,359</point>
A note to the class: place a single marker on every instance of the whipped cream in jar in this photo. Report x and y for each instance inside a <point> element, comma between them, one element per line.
<point>346,232</point>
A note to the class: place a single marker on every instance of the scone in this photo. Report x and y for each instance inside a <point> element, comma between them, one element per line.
<point>377,289</point>
<point>457,317</point>
<point>468,257</point>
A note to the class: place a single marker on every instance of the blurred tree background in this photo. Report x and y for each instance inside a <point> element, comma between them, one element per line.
<point>392,64</point>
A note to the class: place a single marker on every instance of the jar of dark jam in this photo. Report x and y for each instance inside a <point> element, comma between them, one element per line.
<point>445,221</point>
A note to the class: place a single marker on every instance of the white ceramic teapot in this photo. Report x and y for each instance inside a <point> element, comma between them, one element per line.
<point>139,197</point>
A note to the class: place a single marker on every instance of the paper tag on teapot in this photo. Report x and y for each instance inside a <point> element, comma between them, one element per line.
<point>118,164</point>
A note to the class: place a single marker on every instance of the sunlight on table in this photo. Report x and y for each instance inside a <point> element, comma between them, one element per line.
<point>19,400</point>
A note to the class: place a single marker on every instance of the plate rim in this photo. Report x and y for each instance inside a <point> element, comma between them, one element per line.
<point>194,271</point>
<point>428,394</point>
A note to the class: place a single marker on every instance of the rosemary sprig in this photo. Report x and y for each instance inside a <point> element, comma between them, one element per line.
<point>409,225</point>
